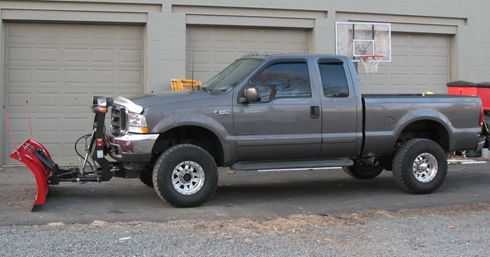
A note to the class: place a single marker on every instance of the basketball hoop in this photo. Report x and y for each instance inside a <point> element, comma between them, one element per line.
<point>371,62</point>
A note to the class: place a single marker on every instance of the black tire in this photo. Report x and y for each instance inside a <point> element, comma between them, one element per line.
<point>386,162</point>
<point>146,176</point>
<point>403,166</point>
<point>363,172</point>
<point>200,161</point>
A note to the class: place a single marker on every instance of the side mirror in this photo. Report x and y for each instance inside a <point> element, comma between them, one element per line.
<point>250,95</point>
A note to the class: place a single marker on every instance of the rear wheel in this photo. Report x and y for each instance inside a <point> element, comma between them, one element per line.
<point>420,166</point>
<point>363,172</point>
<point>185,175</point>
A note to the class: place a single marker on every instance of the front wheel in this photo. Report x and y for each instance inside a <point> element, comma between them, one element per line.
<point>420,166</point>
<point>185,175</point>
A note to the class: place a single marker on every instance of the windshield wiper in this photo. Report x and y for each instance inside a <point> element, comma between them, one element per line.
<point>206,89</point>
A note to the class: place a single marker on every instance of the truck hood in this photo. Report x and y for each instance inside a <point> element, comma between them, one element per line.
<point>173,99</point>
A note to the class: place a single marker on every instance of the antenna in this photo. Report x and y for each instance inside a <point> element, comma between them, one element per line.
<point>29,123</point>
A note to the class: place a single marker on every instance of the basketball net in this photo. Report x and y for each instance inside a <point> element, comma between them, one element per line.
<point>371,62</point>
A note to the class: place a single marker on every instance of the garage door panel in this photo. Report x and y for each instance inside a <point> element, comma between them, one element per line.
<point>419,41</point>
<point>420,79</point>
<point>130,77</point>
<point>210,49</point>
<point>18,54</point>
<point>74,56</point>
<point>131,56</point>
<point>18,75</point>
<point>78,77</point>
<point>439,61</point>
<point>58,68</point>
<point>439,51</point>
<point>436,77</point>
<point>101,76</point>
<point>397,79</point>
<point>74,125</point>
<point>420,62</point>
<point>104,55</point>
<point>46,75</point>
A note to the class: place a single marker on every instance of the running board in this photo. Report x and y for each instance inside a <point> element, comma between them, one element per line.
<point>293,165</point>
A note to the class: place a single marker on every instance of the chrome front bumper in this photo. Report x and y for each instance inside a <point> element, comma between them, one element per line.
<point>132,147</point>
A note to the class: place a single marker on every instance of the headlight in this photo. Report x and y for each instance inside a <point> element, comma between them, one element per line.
<point>137,123</point>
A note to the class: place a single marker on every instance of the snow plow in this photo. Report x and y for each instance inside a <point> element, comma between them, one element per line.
<point>46,172</point>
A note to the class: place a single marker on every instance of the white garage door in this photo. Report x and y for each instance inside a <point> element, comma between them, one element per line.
<point>58,68</point>
<point>420,62</point>
<point>210,49</point>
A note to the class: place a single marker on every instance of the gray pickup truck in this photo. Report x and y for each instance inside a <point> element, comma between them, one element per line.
<point>284,112</point>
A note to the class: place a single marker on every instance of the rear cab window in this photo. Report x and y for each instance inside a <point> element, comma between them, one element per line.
<point>334,79</point>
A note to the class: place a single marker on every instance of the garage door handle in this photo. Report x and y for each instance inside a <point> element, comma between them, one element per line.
<point>315,112</point>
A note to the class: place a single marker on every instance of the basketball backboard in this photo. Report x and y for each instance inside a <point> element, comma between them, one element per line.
<point>360,39</point>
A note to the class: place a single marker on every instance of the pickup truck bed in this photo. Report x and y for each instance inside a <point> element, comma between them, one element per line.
<point>385,116</point>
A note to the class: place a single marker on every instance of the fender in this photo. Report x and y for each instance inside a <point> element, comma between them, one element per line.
<point>421,115</point>
<point>203,121</point>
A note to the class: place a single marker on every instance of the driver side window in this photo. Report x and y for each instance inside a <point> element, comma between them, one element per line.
<point>283,80</point>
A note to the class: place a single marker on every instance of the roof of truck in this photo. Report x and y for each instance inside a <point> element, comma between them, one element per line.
<point>280,56</point>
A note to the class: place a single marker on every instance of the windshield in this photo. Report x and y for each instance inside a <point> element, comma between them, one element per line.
<point>232,75</point>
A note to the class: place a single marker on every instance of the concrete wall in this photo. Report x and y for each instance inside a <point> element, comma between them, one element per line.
<point>166,23</point>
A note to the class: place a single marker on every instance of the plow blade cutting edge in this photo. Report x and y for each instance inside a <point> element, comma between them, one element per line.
<point>28,153</point>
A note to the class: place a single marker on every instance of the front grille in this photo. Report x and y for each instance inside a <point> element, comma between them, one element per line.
<point>118,120</point>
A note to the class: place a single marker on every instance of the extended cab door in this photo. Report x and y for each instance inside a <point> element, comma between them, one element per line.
<point>341,109</point>
<point>286,122</point>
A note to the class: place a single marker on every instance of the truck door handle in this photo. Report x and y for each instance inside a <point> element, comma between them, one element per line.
<point>315,112</point>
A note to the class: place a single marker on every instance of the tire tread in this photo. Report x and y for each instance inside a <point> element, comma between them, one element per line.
<point>398,169</point>
<point>165,155</point>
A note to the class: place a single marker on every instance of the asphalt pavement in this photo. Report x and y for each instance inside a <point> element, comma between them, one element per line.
<point>240,194</point>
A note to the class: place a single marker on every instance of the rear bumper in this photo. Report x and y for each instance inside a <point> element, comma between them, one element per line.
<point>134,148</point>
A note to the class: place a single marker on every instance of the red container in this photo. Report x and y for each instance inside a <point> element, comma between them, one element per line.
<point>473,89</point>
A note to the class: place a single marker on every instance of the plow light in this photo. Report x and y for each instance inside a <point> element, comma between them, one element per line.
<point>100,104</point>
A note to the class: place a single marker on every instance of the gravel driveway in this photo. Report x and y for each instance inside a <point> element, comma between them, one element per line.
<point>456,231</point>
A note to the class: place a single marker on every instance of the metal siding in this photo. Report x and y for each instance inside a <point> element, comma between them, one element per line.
<point>210,49</point>
<point>420,62</point>
<point>58,68</point>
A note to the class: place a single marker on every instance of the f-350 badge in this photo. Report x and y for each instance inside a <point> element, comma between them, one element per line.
<point>221,112</point>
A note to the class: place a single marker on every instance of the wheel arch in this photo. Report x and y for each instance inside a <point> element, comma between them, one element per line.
<point>191,134</point>
<point>432,125</point>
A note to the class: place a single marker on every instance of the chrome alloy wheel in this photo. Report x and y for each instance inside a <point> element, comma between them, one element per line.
<point>425,167</point>
<point>188,177</point>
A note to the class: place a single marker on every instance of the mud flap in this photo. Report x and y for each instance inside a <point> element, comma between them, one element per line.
<point>26,153</point>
